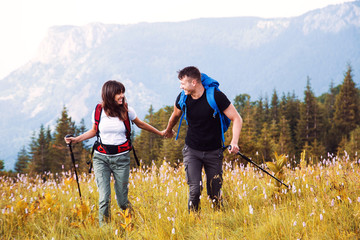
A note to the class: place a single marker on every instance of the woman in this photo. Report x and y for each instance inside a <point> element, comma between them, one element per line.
<point>112,135</point>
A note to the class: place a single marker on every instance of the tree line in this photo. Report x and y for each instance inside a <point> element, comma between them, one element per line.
<point>328,124</point>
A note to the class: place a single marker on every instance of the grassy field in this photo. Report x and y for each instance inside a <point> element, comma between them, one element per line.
<point>322,203</point>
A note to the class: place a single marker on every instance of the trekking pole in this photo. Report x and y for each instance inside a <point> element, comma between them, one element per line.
<point>250,161</point>
<point>73,160</point>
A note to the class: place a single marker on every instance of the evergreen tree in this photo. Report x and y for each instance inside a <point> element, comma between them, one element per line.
<point>23,160</point>
<point>267,115</point>
<point>60,153</point>
<point>310,124</point>
<point>265,145</point>
<point>259,117</point>
<point>2,165</point>
<point>240,101</point>
<point>328,100</point>
<point>347,115</point>
<point>291,112</point>
<point>40,157</point>
<point>247,139</point>
<point>284,144</point>
<point>275,107</point>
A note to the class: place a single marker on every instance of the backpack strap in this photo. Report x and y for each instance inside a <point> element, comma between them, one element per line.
<point>210,91</point>
<point>97,117</point>
<point>183,109</point>
<point>128,127</point>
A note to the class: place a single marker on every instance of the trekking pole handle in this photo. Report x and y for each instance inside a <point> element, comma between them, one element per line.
<point>68,136</point>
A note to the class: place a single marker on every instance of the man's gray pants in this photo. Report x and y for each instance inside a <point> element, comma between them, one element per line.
<point>194,160</point>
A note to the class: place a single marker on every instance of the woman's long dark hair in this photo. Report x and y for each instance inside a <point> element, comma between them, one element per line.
<point>112,108</point>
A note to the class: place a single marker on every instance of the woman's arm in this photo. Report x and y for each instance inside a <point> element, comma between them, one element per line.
<point>146,126</point>
<point>85,136</point>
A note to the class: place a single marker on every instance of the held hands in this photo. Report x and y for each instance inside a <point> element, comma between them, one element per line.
<point>168,133</point>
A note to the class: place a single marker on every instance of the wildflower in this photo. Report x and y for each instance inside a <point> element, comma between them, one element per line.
<point>159,215</point>
<point>251,210</point>
<point>116,232</point>
<point>332,202</point>
<point>321,217</point>
<point>304,224</point>
<point>349,200</point>
<point>274,207</point>
<point>173,231</point>
<point>358,199</point>
<point>294,224</point>
<point>315,200</point>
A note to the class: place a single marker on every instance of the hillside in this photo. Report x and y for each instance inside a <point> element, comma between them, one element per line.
<point>247,55</point>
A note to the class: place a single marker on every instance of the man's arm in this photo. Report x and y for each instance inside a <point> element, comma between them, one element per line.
<point>174,118</point>
<point>235,117</point>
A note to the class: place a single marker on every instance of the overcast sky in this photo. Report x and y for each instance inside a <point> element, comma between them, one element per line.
<point>24,23</point>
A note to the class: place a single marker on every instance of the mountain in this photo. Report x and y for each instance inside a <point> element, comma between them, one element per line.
<point>246,54</point>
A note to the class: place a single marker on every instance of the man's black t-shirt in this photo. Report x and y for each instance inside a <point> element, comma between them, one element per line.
<point>204,131</point>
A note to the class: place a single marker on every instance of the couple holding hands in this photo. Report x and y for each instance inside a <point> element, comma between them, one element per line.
<point>203,142</point>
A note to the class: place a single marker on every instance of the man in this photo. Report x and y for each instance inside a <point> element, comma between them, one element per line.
<point>203,144</point>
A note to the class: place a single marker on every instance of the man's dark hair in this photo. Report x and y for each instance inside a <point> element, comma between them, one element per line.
<point>191,72</point>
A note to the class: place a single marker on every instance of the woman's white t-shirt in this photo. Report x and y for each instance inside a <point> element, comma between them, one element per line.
<point>112,129</point>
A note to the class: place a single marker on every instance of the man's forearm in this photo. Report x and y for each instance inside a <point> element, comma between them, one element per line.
<point>172,122</point>
<point>236,129</point>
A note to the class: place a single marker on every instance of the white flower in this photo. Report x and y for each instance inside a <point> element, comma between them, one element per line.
<point>173,231</point>
<point>251,210</point>
<point>294,224</point>
<point>304,224</point>
<point>321,217</point>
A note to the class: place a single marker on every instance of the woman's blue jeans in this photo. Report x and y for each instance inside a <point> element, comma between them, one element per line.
<point>119,166</point>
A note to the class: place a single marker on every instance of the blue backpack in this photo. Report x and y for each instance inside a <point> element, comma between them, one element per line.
<point>210,86</point>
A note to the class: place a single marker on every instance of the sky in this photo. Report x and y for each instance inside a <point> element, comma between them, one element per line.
<point>24,23</point>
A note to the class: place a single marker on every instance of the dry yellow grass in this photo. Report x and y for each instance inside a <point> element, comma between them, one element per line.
<point>323,203</point>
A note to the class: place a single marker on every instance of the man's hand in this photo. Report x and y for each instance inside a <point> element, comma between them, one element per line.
<point>233,148</point>
<point>168,133</point>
